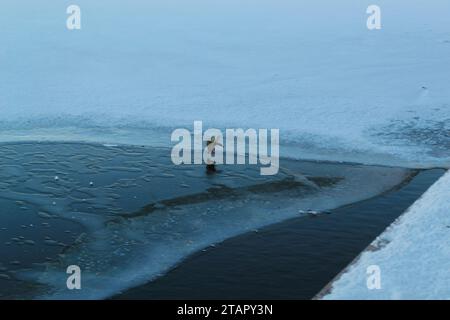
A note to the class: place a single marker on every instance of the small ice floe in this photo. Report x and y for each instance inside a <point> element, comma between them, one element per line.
<point>167,175</point>
<point>51,242</point>
<point>44,215</point>
<point>4,276</point>
<point>56,178</point>
<point>313,212</point>
<point>91,183</point>
<point>309,211</point>
<point>29,242</point>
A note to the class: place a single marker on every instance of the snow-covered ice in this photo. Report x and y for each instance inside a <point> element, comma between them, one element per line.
<point>336,90</point>
<point>413,254</point>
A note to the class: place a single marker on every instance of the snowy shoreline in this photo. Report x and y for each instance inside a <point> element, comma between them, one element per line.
<point>412,254</point>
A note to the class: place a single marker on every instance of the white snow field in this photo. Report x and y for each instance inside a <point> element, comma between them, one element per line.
<point>336,90</point>
<point>413,254</point>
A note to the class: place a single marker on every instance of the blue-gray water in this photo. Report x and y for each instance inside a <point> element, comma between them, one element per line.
<point>294,259</point>
<point>126,215</point>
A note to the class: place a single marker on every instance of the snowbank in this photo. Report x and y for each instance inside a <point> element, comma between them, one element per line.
<point>413,254</point>
<point>336,90</point>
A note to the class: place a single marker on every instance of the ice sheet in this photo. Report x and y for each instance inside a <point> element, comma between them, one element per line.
<point>336,90</point>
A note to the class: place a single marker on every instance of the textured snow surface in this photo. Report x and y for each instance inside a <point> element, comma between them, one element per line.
<point>135,71</point>
<point>413,254</point>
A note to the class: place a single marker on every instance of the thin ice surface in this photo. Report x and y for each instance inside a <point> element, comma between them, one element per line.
<point>142,215</point>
